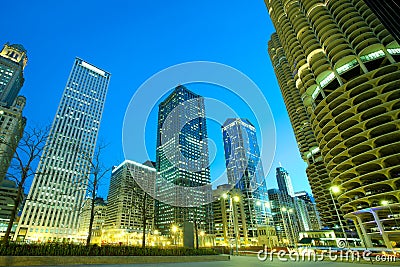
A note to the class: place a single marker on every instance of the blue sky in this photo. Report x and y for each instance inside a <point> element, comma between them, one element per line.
<point>136,39</point>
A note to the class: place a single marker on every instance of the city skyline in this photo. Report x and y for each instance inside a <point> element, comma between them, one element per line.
<point>123,88</point>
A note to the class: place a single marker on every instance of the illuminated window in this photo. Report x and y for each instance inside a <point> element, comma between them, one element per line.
<point>372,56</point>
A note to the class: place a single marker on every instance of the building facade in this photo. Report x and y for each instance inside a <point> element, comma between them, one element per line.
<point>245,172</point>
<point>8,194</point>
<point>387,12</point>
<point>58,190</point>
<point>13,60</point>
<point>338,66</point>
<point>182,163</point>
<point>285,217</point>
<point>231,224</point>
<point>230,218</point>
<point>309,213</point>
<point>100,214</point>
<point>126,202</point>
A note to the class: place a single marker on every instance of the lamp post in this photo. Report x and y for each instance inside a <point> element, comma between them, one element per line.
<point>336,189</point>
<point>387,203</point>
<point>236,199</point>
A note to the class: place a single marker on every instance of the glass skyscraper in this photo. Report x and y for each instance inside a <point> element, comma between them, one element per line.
<point>284,181</point>
<point>182,162</point>
<point>245,172</point>
<point>58,190</point>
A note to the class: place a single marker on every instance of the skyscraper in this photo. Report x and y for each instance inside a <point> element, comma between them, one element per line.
<point>285,217</point>
<point>13,60</point>
<point>182,162</point>
<point>59,187</point>
<point>308,211</point>
<point>337,67</point>
<point>245,172</point>
<point>284,181</point>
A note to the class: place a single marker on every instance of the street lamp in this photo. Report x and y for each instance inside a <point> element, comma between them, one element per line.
<point>336,189</point>
<point>235,222</point>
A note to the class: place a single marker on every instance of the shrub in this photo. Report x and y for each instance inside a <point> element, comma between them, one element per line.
<point>59,249</point>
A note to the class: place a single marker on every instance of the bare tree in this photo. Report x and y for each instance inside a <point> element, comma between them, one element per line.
<point>97,172</point>
<point>23,166</point>
<point>147,214</point>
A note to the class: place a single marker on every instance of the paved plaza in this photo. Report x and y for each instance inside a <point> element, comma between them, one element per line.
<point>251,261</point>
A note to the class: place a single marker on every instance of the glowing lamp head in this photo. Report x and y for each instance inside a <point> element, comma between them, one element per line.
<point>335,189</point>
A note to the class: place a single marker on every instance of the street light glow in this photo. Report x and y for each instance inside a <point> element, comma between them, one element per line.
<point>236,198</point>
<point>258,203</point>
<point>284,209</point>
<point>174,228</point>
<point>385,202</point>
<point>335,189</point>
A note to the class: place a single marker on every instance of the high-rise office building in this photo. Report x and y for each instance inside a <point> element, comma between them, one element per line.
<point>182,162</point>
<point>13,60</point>
<point>308,211</point>
<point>388,12</point>
<point>284,181</point>
<point>59,187</point>
<point>129,183</point>
<point>285,217</point>
<point>245,172</point>
<point>338,69</point>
